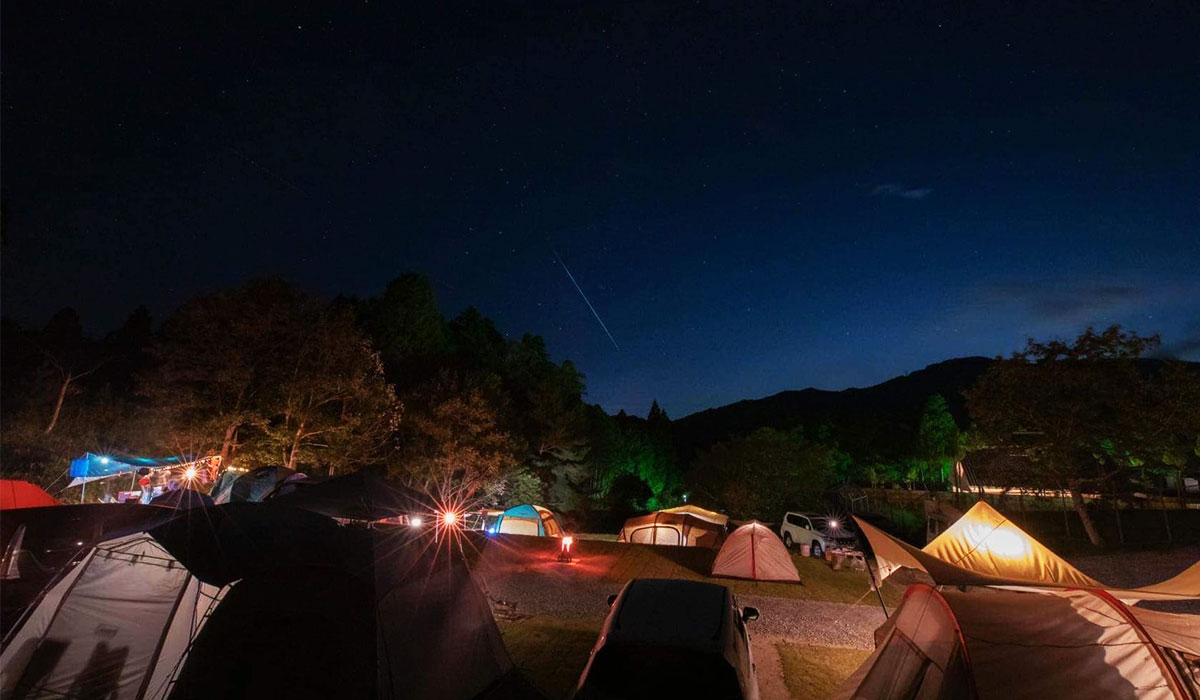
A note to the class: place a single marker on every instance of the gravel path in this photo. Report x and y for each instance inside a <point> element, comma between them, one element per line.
<point>800,621</point>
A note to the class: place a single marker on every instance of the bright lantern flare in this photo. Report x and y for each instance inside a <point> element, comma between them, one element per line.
<point>833,524</point>
<point>189,473</point>
<point>449,517</point>
<point>416,521</point>
<point>567,542</point>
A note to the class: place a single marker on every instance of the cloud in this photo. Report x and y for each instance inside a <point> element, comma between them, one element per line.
<point>1070,301</point>
<point>891,189</point>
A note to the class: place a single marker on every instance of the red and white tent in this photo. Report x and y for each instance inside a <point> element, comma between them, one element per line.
<point>755,552</point>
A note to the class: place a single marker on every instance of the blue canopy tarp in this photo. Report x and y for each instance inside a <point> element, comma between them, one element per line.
<point>91,466</point>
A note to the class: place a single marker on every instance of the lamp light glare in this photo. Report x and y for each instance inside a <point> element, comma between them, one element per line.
<point>189,473</point>
<point>449,518</point>
<point>104,460</point>
<point>833,524</point>
<point>416,521</point>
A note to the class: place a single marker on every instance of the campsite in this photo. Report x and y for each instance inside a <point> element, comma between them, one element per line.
<point>349,565</point>
<point>594,350</point>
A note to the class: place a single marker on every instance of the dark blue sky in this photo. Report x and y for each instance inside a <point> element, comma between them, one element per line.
<point>754,199</point>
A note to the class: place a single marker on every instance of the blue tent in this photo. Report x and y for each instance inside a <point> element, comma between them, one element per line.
<point>528,519</point>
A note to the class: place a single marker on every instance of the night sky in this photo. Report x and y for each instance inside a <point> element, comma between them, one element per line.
<point>754,200</point>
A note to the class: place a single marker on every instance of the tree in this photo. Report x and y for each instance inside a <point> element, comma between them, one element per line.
<point>765,473</point>
<point>69,356</point>
<point>522,486</point>
<point>328,404</point>
<point>937,440</point>
<point>627,448</point>
<point>216,364</point>
<point>1081,412</point>
<point>450,436</point>
<point>406,327</point>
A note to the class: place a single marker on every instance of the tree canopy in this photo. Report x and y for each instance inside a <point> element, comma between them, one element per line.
<point>1086,412</point>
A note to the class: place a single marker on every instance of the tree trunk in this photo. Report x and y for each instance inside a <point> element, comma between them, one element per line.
<point>1081,508</point>
<point>291,462</point>
<point>227,445</point>
<point>62,395</point>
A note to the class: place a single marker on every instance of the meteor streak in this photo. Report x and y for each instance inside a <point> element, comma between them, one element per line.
<point>586,301</point>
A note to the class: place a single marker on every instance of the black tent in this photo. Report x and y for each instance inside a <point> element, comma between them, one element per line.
<point>365,495</point>
<point>182,499</point>
<point>340,611</point>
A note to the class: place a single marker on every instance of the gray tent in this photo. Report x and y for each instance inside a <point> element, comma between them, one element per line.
<point>317,610</point>
<point>254,485</point>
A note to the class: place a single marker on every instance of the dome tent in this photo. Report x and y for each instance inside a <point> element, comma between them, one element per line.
<point>528,519</point>
<point>754,552</point>
<point>154,615</point>
<point>254,485</point>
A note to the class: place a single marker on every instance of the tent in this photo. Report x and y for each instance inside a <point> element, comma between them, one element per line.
<point>528,519</point>
<point>754,551</point>
<point>183,499</point>
<point>984,548</point>
<point>37,543</point>
<point>990,644</point>
<point>709,515</point>
<point>317,611</point>
<point>682,529</point>
<point>22,494</point>
<point>366,495</point>
<point>254,485</point>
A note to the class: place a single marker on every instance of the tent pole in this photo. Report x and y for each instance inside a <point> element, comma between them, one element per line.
<point>871,573</point>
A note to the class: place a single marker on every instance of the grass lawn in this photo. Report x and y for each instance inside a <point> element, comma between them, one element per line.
<point>813,673</point>
<point>551,651</point>
<point>618,562</point>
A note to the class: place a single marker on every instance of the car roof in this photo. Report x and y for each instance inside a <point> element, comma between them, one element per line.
<point>672,611</point>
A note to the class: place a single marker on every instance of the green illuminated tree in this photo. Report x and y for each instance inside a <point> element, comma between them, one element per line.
<point>937,442</point>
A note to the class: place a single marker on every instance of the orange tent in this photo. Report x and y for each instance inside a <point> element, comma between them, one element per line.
<point>754,552</point>
<point>22,494</point>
